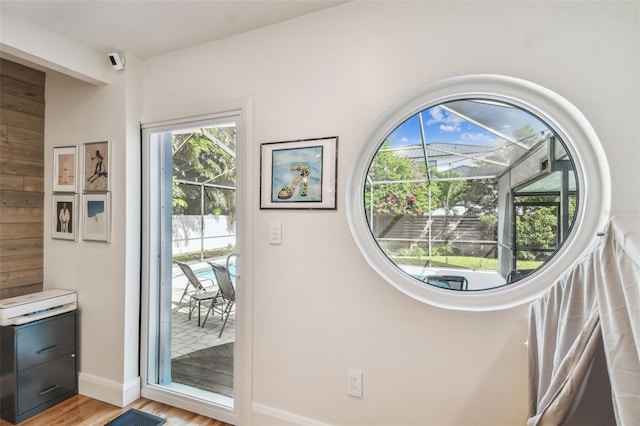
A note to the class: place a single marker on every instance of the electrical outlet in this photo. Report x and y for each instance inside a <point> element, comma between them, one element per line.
<point>354,382</point>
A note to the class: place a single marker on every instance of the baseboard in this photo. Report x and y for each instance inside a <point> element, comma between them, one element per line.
<point>266,415</point>
<point>120,394</point>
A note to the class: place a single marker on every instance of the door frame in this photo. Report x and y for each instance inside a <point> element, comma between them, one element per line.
<point>240,413</point>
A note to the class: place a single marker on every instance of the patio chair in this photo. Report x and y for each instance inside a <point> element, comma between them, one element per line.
<point>453,282</point>
<point>196,290</point>
<point>227,292</point>
<point>232,266</point>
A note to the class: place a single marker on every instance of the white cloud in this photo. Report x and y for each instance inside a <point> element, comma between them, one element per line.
<point>449,128</point>
<point>436,115</point>
<point>448,122</point>
<point>477,137</point>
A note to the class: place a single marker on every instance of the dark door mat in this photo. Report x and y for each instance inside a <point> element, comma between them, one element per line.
<point>135,417</point>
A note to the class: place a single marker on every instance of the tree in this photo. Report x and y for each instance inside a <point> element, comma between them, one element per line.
<point>536,225</point>
<point>399,186</point>
<point>479,197</point>
<point>206,155</point>
<point>536,228</point>
<point>405,189</point>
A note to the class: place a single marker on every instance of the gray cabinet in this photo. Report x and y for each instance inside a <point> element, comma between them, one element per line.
<point>38,365</point>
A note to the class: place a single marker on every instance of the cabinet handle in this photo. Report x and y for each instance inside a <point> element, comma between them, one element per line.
<point>51,389</point>
<point>49,349</point>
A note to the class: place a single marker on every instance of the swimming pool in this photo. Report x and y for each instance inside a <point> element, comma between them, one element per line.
<point>204,270</point>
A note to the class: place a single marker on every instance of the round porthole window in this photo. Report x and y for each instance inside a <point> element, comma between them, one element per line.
<point>477,192</point>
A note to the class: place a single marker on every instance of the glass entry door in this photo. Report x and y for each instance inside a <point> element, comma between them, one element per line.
<point>190,259</point>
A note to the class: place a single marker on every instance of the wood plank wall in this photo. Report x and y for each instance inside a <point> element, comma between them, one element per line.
<point>21,179</point>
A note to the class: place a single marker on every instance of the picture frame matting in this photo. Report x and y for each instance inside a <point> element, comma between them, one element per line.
<point>65,168</point>
<point>300,174</point>
<point>96,217</point>
<point>64,219</point>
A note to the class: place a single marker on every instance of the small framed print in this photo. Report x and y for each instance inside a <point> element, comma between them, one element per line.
<point>96,166</point>
<point>64,220</point>
<point>299,174</point>
<point>65,160</point>
<point>96,217</point>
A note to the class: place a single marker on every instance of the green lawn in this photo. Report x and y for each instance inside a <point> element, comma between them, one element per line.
<point>462,262</point>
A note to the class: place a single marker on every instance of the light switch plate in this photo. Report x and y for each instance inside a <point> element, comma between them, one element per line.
<point>275,233</point>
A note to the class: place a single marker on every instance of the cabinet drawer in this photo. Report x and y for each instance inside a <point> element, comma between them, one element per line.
<point>45,382</point>
<point>45,340</point>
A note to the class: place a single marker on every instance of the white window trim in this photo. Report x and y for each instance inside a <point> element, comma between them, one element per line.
<point>563,117</point>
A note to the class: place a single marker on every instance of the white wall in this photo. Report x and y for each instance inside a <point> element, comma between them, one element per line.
<point>106,276</point>
<point>318,307</point>
<point>45,49</point>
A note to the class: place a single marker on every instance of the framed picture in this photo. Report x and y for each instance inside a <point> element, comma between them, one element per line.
<point>65,168</point>
<point>64,216</point>
<point>299,174</point>
<point>96,217</point>
<point>96,165</point>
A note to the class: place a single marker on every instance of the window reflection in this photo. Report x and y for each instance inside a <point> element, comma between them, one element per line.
<point>471,194</point>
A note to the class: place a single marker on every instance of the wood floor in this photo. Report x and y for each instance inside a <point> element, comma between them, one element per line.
<point>81,410</point>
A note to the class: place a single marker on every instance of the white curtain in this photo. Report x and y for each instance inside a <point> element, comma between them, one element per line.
<point>598,300</point>
<point>618,284</point>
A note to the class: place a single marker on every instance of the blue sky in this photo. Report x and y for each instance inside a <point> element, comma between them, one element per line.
<point>441,126</point>
<point>94,208</point>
